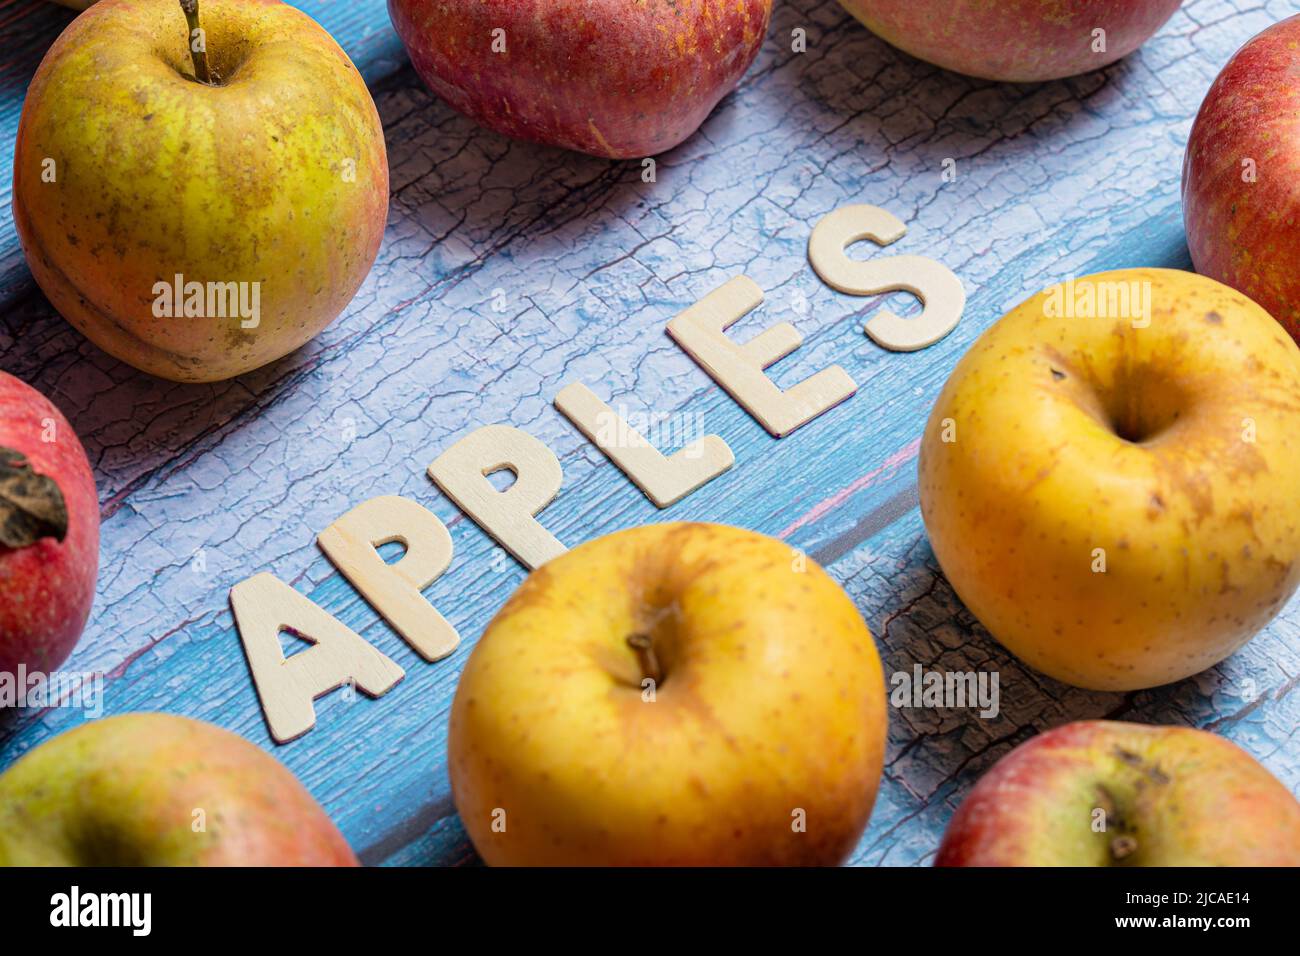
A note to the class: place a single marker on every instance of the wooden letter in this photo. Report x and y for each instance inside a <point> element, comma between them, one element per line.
<point>937,287</point>
<point>264,606</point>
<point>700,330</point>
<point>508,516</point>
<point>664,480</point>
<point>394,589</point>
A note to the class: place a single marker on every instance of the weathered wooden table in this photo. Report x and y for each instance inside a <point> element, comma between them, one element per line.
<point>202,486</point>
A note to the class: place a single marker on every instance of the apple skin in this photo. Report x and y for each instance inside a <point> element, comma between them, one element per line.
<point>1019,41</point>
<point>1247,233</point>
<point>1199,525</point>
<point>772,700</point>
<point>47,587</point>
<point>158,175</point>
<point>1172,796</point>
<point>122,791</point>
<point>606,77</point>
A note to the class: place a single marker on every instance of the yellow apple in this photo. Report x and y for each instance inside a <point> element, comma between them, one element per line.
<point>1110,477</point>
<point>197,230</point>
<point>671,694</point>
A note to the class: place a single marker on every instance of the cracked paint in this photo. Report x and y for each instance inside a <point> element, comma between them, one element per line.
<point>1054,179</point>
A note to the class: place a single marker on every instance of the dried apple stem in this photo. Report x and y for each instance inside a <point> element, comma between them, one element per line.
<point>200,56</point>
<point>646,657</point>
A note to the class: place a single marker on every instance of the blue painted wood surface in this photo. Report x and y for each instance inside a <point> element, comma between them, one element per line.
<point>1053,180</point>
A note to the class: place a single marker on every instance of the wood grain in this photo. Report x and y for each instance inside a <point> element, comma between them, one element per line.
<point>1053,180</point>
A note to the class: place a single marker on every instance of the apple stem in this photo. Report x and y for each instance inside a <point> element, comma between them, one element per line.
<point>198,56</point>
<point>646,657</point>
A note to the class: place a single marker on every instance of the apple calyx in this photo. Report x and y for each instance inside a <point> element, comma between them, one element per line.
<point>1122,847</point>
<point>199,51</point>
<point>31,504</point>
<point>1124,844</point>
<point>644,646</point>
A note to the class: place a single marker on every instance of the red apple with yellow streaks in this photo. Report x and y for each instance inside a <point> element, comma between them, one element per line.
<point>1015,40</point>
<point>606,77</point>
<point>160,790</point>
<point>1241,175</point>
<point>1108,793</point>
<point>49,531</point>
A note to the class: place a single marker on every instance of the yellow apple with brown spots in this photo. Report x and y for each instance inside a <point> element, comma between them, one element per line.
<point>674,694</point>
<point>1109,477</point>
<point>198,227</point>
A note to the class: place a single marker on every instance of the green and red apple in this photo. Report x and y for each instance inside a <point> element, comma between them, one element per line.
<point>49,532</point>
<point>1106,793</point>
<point>675,694</point>
<point>193,228</point>
<point>1108,478</point>
<point>160,790</point>
<point>1241,175</point>
<point>607,77</point>
<point>1015,40</point>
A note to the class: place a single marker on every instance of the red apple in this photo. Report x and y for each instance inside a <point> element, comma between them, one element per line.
<point>160,790</point>
<point>605,77</point>
<point>1015,40</point>
<point>1102,793</point>
<point>49,531</point>
<point>1241,175</point>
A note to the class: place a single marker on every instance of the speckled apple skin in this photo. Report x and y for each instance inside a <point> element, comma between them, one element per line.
<point>1013,40</point>
<point>608,77</point>
<point>157,175</point>
<point>772,703</point>
<point>1247,234</point>
<point>1185,797</point>
<point>1198,524</point>
<point>123,791</point>
<point>46,588</point>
